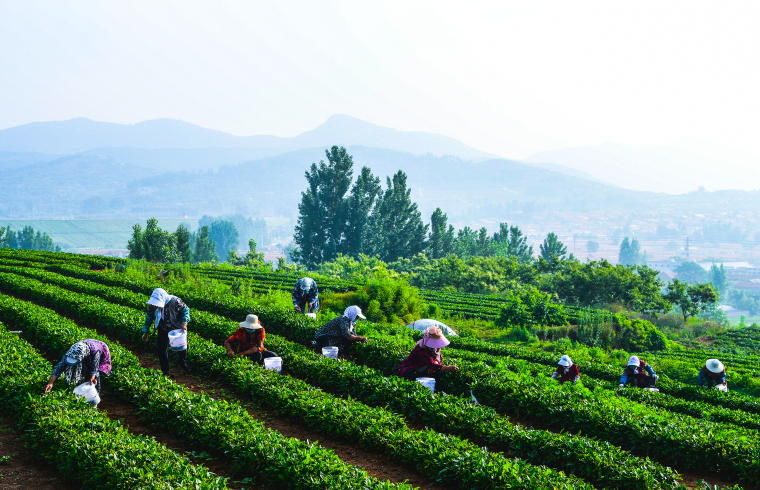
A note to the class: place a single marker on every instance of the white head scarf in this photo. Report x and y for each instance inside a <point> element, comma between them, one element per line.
<point>352,312</point>
<point>79,351</point>
<point>159,298</point>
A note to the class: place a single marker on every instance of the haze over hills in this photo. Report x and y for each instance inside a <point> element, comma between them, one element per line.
<point>82,134</point>
<point>658,168</point>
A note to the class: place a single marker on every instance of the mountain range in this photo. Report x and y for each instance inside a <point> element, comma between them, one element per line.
<point>169,168</point>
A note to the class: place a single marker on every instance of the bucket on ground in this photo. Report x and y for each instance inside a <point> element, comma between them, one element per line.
<point>312,315</point>
<point>273,364</point>
<point>723,388</point>
<point>331,352</point>
<point>428,383</point>
<point>89,392</point>
<point>178,339</point>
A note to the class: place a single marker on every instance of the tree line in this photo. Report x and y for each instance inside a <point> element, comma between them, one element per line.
<point>27,239</point>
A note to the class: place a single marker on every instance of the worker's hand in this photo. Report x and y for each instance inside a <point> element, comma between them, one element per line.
<point>311,305</point>
<point>574,381</point>
<point>93,380</point>
<point>145,337</point>
<point>184,326</point>
<point>230,354</point>
<point>622,385</point>
<point>451,369</point>
<point>362,339</point>
<point>298,309</point>
<point>48,387</point>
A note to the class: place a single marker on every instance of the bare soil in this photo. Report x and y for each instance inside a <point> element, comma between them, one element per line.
<point>22,470</point>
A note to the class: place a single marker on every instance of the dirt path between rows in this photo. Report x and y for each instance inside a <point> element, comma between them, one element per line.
<point>377,465</point>
<point>22,470</point>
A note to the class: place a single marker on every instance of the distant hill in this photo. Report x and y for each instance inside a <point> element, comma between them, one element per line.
<point>81,135</point>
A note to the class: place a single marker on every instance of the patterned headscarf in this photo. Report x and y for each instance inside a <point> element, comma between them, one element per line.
<point>79,351</point>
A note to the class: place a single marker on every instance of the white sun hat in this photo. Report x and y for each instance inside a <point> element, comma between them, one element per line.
<point>251,323</point>
<point>633,361</point>
<point>565,361</point>
<point>714,366</point>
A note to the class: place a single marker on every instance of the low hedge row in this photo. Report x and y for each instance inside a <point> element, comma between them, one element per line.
<point>599,462</point>
<point>443,458</point>
<point>387,357</point>
<point>83,444</point>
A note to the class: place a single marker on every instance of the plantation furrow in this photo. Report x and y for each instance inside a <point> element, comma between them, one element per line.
<point>251,450</point>
<point>430,451</point>
<point>81,442</point>
<point>600,462</point>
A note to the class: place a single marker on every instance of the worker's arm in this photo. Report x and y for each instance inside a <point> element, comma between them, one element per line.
<point>56,374</point>
<point>650,370</point>
<point>701,378</point>
<point>185,317</point>
<point>722,379</point>
<point>623,378</point>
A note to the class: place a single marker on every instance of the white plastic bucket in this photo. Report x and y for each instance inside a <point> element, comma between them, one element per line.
<point>428,383</point>
<point>331,352</point>
<point>88,392</point>
<point>178,340</point>
<point>312,315</point>
<point>273,364</point>
<point>723,388</point>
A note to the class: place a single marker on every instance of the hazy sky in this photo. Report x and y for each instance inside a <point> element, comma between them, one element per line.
<point>511,78</point>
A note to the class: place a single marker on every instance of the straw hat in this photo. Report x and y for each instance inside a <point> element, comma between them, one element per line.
<point>714,366</point>
<point>251,323</point>
<point>434,338</point>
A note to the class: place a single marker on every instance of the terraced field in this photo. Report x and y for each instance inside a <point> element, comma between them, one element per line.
<point>256,428</point>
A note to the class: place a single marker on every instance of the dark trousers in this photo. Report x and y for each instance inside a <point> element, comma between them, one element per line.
<point>646,382</point>
<point>413,374</point>
<point>258,357</point>
<point>162,341</point>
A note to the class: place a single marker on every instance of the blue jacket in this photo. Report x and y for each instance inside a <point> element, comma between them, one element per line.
<point>643,366</point>
<point>705,375</point>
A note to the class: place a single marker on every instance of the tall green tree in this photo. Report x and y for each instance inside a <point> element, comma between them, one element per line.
<point>252,258</point>
<point>225,236</point>
<point>4,235</point>
<point>630,252</point>
<point>135,245</point>
<point>205,248</point>
<point>510,242</point>
<point>361,201</point>
<point>552,250</point>
<point>592,246</point>
<point>323,209</point>
<point>182,239</point>
<point>441,238</point>
<point>690,298</point>
<point>157,244</point>
<point>398,230</point>
<point>719,279</point>
<point>690,272</point>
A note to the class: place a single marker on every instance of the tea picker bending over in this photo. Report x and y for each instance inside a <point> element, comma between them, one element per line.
<point>340,332</point>
<point>166,313</point>
<point>567,371</point>
<point>639,374</point>
<point>249,341</point>
<point>425,360</point>
<point>306,296</point>
<point>84,360</point>
<point>713,373</point>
